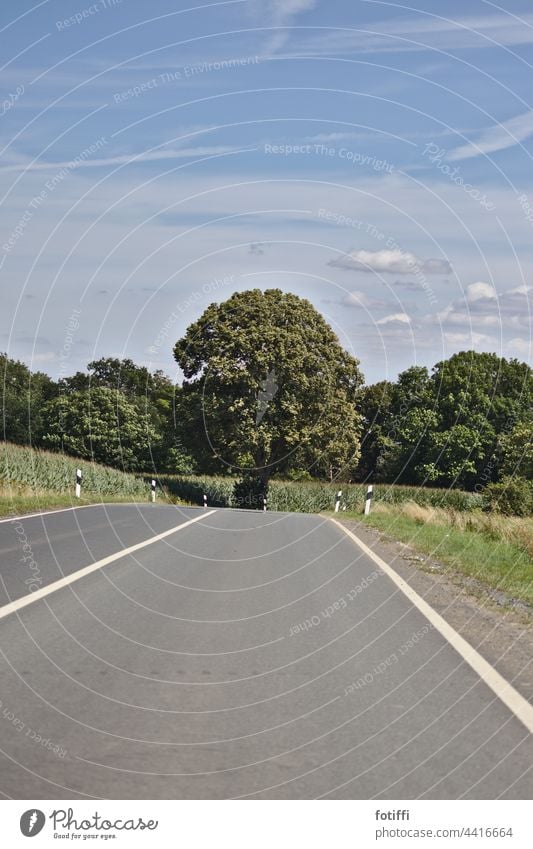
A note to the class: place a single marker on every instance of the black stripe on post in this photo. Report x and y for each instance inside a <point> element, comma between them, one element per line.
<point>368,499</point>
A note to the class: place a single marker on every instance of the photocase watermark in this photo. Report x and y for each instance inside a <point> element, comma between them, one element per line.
<point>527,208</point>
<point>436,156</point>
<point>73,325</point>
<point>88,12</point>
<point>48,188</point>
<point>355,157</point>
<point>8,102</point>
<point>186,72</point>
<point>35,736</point>
<point>183,306</point>
<point>340,604</point>
<point>34,579</point>
<point>387,663</point>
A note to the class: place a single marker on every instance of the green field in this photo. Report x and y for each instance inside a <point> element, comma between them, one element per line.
<point>32,480</point>
<point>313,497</point>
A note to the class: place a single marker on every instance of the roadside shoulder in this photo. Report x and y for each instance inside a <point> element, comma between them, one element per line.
<point>502,635</point>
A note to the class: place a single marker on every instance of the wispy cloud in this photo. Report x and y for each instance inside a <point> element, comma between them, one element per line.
<point>498,137</point>
<point>390,262</point>
<point>280,13</point>
<point>420,33</point>
<point>124,159</point>
<point>395,318</point>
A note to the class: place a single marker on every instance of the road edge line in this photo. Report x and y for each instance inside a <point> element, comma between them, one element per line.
<point>59,510</point>
<point>517,704</point>
<point>20,603</point>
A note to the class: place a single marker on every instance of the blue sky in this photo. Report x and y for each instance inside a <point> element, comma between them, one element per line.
<point>371,156</point>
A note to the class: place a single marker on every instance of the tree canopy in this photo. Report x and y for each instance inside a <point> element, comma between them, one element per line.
<point>268,388</point>
<point>101,425</point>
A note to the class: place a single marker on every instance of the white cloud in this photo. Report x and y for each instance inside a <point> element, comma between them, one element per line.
<point>475,291</point>
<point>361,299</point>
<point>390,261</point>
<point>519,346</point>
<point>482,307</point>
<point>472,340</point>
<point>520,290</point>
<point>498,137</point>
<point>395,318</point>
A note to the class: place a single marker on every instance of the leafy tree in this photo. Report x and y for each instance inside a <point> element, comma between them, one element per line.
<point>453,428</point>
<point>516,449</point>
<point>405,453</point>
<point>472,386</point>
<point>22,395</point>
<point>267,388</point>
<point>153,393</point>
<point>101,425</point>
<point>375,404</point>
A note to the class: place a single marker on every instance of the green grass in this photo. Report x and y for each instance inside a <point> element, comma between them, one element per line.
<point>17,504</point>
<point>497,562</point>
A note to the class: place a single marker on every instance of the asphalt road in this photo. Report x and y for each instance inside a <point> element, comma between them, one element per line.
<point>247,655</point>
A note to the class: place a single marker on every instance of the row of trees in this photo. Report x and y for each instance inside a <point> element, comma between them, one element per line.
<point>466,424</point>
<point>268,390</point>
<point>117,413</point>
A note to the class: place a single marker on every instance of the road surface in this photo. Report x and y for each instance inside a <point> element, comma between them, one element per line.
<point>245,655</point>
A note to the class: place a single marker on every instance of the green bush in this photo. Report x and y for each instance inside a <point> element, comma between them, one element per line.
<point>512,496</point>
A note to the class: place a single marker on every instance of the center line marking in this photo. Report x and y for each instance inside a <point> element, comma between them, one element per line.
<point>81,573</point>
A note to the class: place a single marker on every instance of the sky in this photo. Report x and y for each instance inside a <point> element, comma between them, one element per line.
<point>373,157</point>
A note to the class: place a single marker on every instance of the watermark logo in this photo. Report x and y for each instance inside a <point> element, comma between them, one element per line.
<point>32,822</point>
<point>268,390</point>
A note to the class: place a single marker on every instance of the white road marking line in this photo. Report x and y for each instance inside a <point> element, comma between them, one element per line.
<point>81,573</point>
<point>61,510</point>
<point>505,691</point>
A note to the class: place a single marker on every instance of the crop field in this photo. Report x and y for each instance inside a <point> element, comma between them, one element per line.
<point>313,497</point>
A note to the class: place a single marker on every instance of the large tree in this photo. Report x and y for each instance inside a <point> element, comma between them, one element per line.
<point>101,425</point>
<point>152,393</point>
<point>22,395</point>
<point>268,388</point>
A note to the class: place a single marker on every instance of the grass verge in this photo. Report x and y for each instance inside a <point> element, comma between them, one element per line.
<point>17,504</point>
<point>494,550</point>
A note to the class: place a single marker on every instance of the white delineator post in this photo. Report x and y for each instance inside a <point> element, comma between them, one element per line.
<point>78,483</point>
<point>368,499</point>
<point>338,500</point>
<point>205,500</point>
<point>153,489</point>
<point>264,503</point>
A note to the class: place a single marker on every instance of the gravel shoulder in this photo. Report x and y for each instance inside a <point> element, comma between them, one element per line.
<point>498,627</point>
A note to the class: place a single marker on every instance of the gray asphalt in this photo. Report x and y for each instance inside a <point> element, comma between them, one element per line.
<point>249,655</point>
